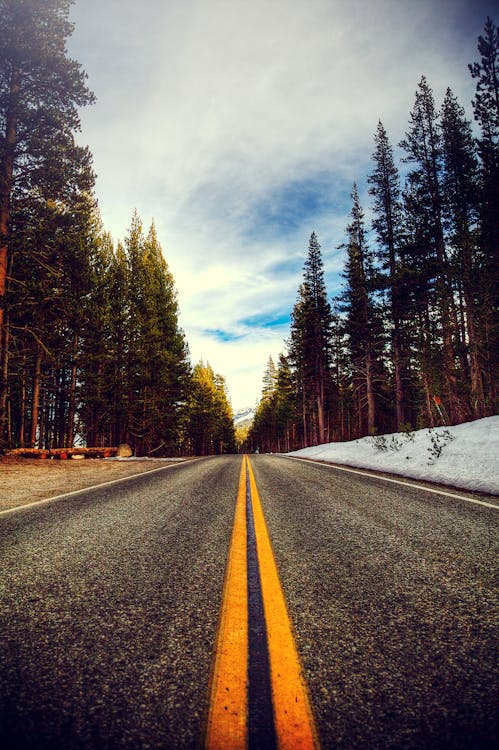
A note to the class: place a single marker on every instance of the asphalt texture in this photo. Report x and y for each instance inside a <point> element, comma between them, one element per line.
<point>109,603</point>
<point>393,595</point>
<point>108,611</point>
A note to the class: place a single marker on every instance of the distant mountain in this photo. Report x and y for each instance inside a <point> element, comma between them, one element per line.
<point>244,416</point>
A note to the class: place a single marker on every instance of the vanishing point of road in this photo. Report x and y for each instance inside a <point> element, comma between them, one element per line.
<point>266,603</point>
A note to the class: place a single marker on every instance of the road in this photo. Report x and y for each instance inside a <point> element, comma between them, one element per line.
<point>110,601</point>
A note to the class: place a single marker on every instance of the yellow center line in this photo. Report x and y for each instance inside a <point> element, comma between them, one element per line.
<point>227,717</point>
<point>228,708</point>
<point>294,722</point>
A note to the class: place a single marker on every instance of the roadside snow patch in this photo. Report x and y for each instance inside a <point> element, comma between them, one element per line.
<point>466,455</point>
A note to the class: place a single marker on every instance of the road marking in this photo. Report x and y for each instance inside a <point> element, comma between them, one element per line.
<point>261,721</point>
<point>237,712</point>
<point>89,489</point>
<point>295,726</point>
<point>228,708</point>
<point>366,473</point>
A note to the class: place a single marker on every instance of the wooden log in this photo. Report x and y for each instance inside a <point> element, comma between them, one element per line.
<point>64,453</point>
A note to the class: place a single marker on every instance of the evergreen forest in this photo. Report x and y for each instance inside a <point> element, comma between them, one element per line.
<point>412,340</point>
<point>91,349</point>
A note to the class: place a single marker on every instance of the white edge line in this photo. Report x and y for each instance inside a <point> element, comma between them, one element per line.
<point>394,481</point>
<point>92,487</point>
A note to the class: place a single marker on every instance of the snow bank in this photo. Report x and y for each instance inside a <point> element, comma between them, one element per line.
<point>466,455</point>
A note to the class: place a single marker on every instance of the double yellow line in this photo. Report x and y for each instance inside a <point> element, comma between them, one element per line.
<point>228,717</point>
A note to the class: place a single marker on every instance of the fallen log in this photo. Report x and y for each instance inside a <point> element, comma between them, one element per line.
<point>63,453</point>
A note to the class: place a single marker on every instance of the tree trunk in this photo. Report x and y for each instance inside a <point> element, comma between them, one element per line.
<point>46,418</point>
<point>427,399</point>
<point>59,428</point>
<point>399,379</point>
<point>475,338</point>
<point>360,413</point>
<point>304,412</point>
<point>22,414</point>
<point>428,392</point>
<point>6,174</point>
<point>397,354</point>
<point>35,401</point>
<point>9,422</point>
<point>4,385</point>
<point>490,356</point>
<point>371,401</point>
<point>320,405</point>
<point>72,397</point>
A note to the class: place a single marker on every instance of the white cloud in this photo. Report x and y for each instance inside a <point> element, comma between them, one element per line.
<point>209,110</point>
<point>242,362</point>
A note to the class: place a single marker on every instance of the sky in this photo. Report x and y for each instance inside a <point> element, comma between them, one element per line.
<point>239,128</point>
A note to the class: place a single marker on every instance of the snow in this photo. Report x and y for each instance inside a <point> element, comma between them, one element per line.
<point>244,415</point>
<point>465,456</point>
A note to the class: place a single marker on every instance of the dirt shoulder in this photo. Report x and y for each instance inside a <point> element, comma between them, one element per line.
<point>27,480</point>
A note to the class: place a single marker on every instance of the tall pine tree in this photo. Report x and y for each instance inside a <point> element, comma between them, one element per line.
<point>362,320</point>
<point>210,427</point>
<point>423,147</point>
<point>158,364</point>
<point>460,186</point>
<point>40,164</point>
<point>486,110</point>
<point>40,92</point>
<point>310,345</point>
<point>387,223</point>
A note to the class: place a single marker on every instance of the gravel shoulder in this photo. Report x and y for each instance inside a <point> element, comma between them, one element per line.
<point>27,480</point>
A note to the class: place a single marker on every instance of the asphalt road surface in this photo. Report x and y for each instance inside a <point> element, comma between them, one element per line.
<point>110,599</point>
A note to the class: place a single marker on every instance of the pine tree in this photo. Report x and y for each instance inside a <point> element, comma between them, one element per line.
<point>362,321</point>
<point>310,346</point>
<point>387,223</point>
<point>201,426</point>
<point>341,374</point>
<point>225,436</point>
<point>40,90</point>
<point>42,173</point>
<point>49,277</point>
<point>286,416</point>
<point>486,110</point>
<point>269,380</point>
<point>118,290</point>
<point>460,185</point>
<point>266,415</point>
<point>210,427</point>
<point>423,146</point>
<point>419,302</point>
<point>98,378</point>
<point>158,366</point>
<point>135,371</point>
<point>275,421</point>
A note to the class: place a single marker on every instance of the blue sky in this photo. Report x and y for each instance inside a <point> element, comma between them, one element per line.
<point>240,127</point>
